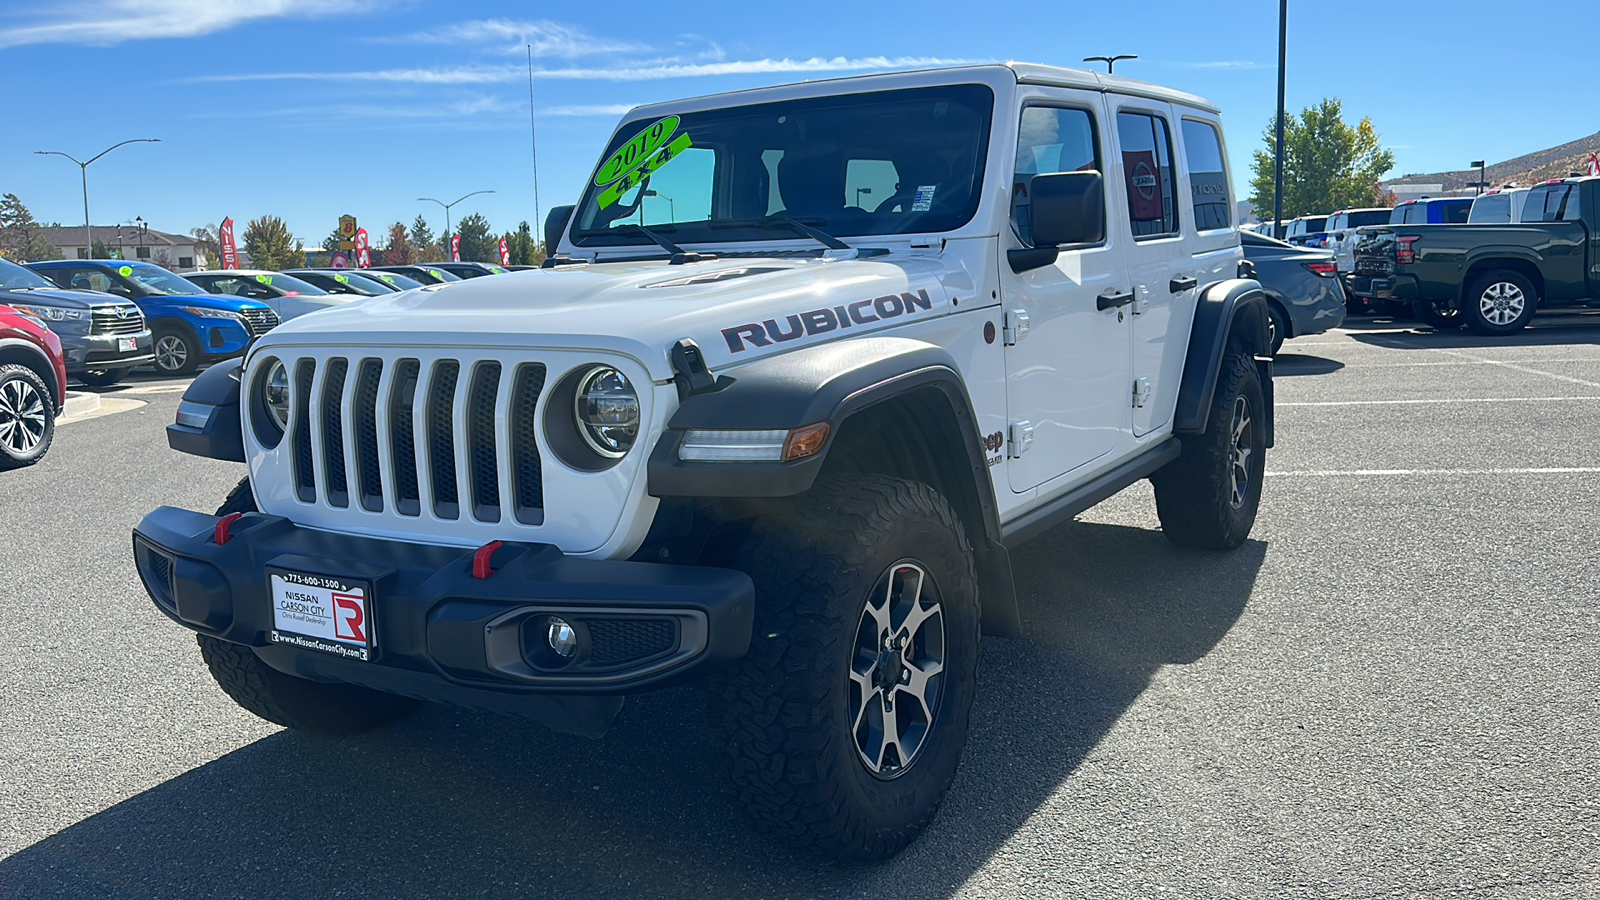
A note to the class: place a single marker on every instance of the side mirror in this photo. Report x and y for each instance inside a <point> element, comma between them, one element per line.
<point>1068,208</point>
<point>555,224</point>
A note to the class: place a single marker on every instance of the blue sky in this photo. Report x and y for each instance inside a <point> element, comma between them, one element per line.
<point>307,109</point>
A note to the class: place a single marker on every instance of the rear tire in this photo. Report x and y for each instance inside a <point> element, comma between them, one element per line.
<point>177,352</point>
<point>298,703</point>
<point>103,377</point>
<point>1208,497</point>
<point>1498,302</point>
<point>1277,327</point>
<point>27,417</point>
<point>1437,313</point>
<point>841,737</point>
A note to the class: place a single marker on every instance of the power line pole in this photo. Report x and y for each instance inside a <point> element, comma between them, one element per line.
<point>533,144</point>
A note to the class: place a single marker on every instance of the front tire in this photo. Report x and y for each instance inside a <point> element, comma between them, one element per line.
<point>1499,302</point>
<point>177,352</point>
<point>1208,497</point>
<point>1438,313</point>
<point>298,703</point>
<point>27,417</point>
<point>847,719</point>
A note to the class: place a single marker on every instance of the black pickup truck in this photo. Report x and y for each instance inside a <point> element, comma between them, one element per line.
<point>1490,277</point>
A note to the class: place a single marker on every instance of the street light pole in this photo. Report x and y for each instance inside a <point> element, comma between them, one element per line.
<point>672,208</point>
<point>1283,57</point>
<point>450,204</point>
<point>88,240</point>
<point>1482,182</point>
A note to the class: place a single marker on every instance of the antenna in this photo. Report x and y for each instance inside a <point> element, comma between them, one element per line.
<point>533,146</point>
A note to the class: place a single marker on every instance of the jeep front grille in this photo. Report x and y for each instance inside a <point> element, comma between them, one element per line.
<point>451,437</point>
<point>259,321</point>
<point>106,320</point>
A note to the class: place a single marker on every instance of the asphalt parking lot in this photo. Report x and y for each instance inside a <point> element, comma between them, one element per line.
<point>1393,690</point>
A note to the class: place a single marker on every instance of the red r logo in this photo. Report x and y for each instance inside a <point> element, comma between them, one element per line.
<point>348,618</point>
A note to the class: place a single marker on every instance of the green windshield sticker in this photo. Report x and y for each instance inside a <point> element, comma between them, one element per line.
<point>264,279</point>
<point>435,273</point>
<point>387,278</point>
<point>342,279</point>
<point>651,149</point>
<point>125,271</point>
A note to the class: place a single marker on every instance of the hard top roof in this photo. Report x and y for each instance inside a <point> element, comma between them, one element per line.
<point>1023,73</point>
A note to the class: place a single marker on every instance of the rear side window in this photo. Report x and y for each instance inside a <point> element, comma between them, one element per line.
<point>1368,217</point>
<point>1147,168</point>
<point>1551,203</point>
<point>1454,212</point>
<point>1491,209</point>
<point>1050,140</point>
<point>1208,177</point>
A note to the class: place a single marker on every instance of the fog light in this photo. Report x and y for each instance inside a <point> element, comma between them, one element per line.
<point>563,640</point>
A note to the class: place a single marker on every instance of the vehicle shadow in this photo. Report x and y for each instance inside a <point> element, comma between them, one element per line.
<point>456,803</point>
<point>1287,363</point>
<point>1558,327</point>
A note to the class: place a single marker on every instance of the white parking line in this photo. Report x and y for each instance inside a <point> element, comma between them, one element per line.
<point>1516,368</point>
<point>1435,400</point>
<point>1289,361</point>
<point>1366,473</point>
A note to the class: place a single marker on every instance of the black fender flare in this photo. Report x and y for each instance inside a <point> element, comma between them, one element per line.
<point>209,422</point>
<point>1231,309</point>
<point>24,353</point>
<point>830,383</point>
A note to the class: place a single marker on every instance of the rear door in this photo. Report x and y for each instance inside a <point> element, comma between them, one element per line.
<point>1067,359</point>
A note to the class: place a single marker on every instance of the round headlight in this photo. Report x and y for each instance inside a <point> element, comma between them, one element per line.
<point>607,411</point>
<point>275,394</point>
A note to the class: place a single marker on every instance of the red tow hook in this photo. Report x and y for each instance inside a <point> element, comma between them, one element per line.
<point>224,529</point>
<point>480,559</point>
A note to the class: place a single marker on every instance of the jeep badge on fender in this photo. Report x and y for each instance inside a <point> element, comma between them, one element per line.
<point>750,424</point>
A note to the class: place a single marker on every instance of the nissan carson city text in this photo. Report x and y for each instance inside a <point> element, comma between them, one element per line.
<point>805,364</point>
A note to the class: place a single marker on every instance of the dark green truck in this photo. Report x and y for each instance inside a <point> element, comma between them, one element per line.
<point>1489,277</point>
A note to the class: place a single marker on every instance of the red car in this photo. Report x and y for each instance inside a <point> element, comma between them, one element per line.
<point>33,387</point>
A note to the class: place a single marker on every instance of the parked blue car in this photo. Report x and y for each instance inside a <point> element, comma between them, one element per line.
<point>190,326</point>
<point>1435,211</point>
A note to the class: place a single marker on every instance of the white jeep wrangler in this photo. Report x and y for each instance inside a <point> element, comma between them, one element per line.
<point>779,439</point>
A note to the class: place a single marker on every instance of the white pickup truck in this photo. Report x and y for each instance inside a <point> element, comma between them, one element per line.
<point>805,363</point>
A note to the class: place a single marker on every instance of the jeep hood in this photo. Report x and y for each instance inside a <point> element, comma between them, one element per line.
<point>735,309</point>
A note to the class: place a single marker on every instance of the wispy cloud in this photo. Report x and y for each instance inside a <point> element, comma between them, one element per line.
<point>652,72</point>
<point>1224,64</point>
<point>610,109</point>
<point>453,110</point>
<point>107,22</point>
<point>509,35</point>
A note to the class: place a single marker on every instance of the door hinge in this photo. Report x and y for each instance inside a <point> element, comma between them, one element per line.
<point>1017,325</point>
<point>1021,438</point>
<point>1141,392</point>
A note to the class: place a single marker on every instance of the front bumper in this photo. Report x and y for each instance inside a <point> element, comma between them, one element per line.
<point>438,632</point>
<point>1383,287</point>
<point>95,352</point>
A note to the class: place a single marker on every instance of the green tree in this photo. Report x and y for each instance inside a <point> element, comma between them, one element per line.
<point>21,238</point>
<point>524,252</point>
<point>331,242</point>
<point>478,242</point>
<point>422,241</point>
<point>101,250</point>
<point>399,251</point>
<point>271,245</point>
<point>1327,165</point>
<point>208,247</point>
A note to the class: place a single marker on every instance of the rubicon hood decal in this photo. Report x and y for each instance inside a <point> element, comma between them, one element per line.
<point>824,319</point>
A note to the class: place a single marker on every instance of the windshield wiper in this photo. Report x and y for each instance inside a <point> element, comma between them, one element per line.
<point>782,221</point>
<point>663,243</point>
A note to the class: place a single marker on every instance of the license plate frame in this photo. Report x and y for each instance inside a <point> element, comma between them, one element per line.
<point>127,345</point>
<point>329,614</point>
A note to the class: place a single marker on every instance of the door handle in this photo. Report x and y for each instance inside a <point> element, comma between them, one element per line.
<point>1182,283</point>
<point>1113,298</point>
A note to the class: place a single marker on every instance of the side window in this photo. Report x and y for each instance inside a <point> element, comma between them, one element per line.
<point>869,182</point>
<point>1571,212</point>
<point>1147,166</point>
<point>1208,177</point>
<point>1051,140</point>
<point>82,279</point>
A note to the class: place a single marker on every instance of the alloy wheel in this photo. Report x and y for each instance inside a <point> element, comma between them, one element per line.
<point>1501,303</point>
<point>171,353</point>
<point>1241,447</point>
<point>896,671</point>
<point>22,417</point>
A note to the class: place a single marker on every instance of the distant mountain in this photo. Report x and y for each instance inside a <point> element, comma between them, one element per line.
<point>1557,162</point>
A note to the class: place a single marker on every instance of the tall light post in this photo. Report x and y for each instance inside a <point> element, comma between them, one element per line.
<point>1482,181</point>
<point>88,241</point>
<point>450,204</point>
<point>1277,165</point>
<point>1111,61</point>
<point>144,231</point>
<point>859,192</point>
<point>672,208</point>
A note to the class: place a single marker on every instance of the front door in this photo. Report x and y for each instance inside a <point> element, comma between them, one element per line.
<point>1067,359</point>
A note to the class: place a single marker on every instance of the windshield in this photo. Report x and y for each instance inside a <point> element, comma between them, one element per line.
<point>14,277</point>
<point>393,279</point>
<point>346,283</point>
<point>156,280</point>
<point>893,162</point>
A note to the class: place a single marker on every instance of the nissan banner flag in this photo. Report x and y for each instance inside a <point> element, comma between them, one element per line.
<point>505,253</point>
<point>455,248</point>
<point>230,253</point>
<point>1594,164</point>
<point>363,249</point>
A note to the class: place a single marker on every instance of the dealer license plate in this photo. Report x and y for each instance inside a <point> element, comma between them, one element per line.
<point>127,345</point>
<point>318,612</point>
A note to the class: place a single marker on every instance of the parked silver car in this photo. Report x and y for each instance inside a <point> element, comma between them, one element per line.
<point>1304,295</point>
<point>103,336</point>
